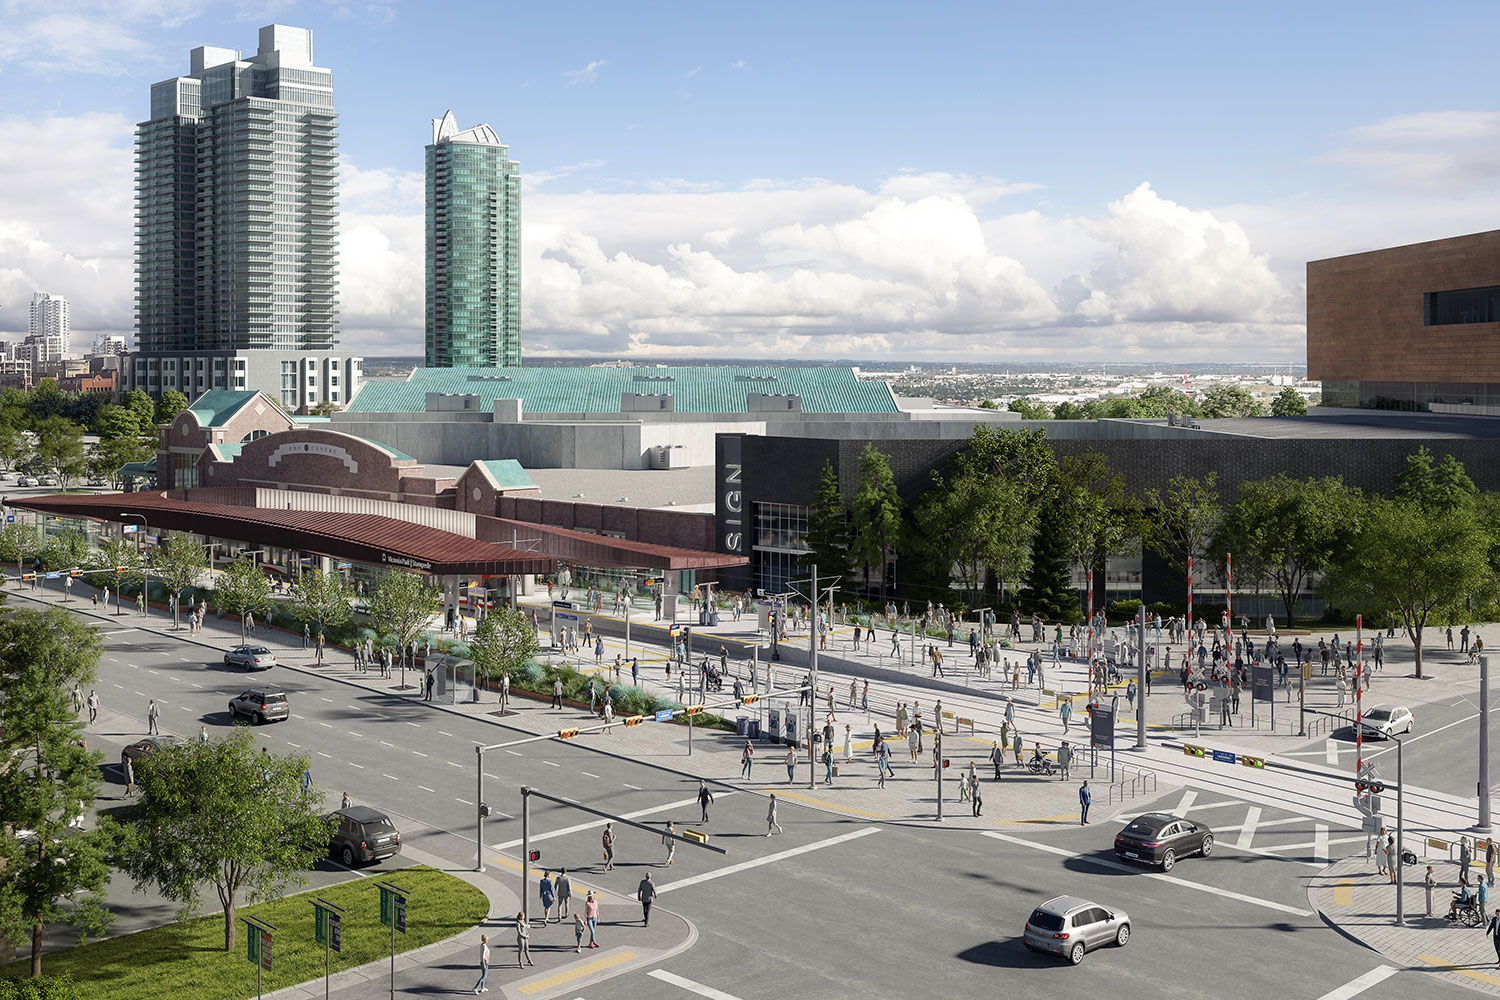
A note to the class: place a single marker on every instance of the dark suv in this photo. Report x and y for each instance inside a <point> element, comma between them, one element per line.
<point>363,834</point>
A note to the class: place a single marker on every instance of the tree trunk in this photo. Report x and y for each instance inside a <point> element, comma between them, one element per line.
<point>1417,641</point>
<point>229,927</point>
<point>36,949</point>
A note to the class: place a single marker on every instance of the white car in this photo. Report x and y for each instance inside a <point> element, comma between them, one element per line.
<point>27,482</point>
<point>1386,721</point>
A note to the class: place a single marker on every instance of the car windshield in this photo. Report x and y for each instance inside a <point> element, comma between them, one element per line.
<point>275,696</point>
<point>1377,715</point>
<point>1046,921</point>
<point>1143,828</point>
<point>260,651</point>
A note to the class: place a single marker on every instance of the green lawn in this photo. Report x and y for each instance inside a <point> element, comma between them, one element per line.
<point>188,959</point>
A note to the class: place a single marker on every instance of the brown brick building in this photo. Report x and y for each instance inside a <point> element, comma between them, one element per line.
<point>1413,327</point>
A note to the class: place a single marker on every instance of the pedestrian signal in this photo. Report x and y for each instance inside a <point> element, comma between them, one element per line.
<point>1193,751</point>
<point>945,761</point>
<point>566,734</point>
<point>535,855</point>
<point>634,720</point>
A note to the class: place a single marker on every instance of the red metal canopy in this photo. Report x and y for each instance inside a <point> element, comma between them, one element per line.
<point>365,538</point>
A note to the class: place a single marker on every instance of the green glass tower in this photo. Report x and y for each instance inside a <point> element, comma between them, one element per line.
<point>473,248</point>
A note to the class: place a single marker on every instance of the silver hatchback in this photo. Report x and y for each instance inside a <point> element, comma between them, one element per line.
<point>260,705</point>
<point>1070,926</point>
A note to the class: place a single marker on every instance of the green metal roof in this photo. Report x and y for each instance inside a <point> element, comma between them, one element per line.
<point>138,470</point>
<point>508,473</point>
<point>397,452</point>
<point>216,406</point>
<point>597,390</point>
<point>229,451</point>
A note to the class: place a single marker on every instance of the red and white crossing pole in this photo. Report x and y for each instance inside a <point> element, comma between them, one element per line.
<point>1359,732</point>
<point>1190,600</point>
<point>1090,653</point>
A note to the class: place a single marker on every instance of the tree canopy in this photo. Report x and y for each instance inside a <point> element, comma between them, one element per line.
<point>875,524</point>
<point>502,642</point>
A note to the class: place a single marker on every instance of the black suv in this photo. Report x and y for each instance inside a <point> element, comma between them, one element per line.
<point>363,834</point>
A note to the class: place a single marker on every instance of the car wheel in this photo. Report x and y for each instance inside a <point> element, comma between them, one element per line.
<point>257,719</point>
<point>1208,844</point>
<point>1075,954</point>
<point>1122,936</point>
<point>348,856</point>
<point>1168,859</point>
<point>234,713</point>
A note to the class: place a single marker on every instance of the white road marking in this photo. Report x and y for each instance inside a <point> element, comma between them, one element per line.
<point>385,744</point>
<point>497,777</point>
<point>362,736</point>
<point>351,871</point>
<point>426,789</point>
<point>197,685</point>
<point>1160,876</point>
<point>1247,830</point>
<point>1185,803</point>
<point>299,747</point>
<point>464,801</point>
<point>550,764</point>
<point>1324,843</point>
<point>391,776</point>
<point>121,687</point>
<point>1331,753</point>
<point>141,693</point>
<point>414,725</point>
<point>690,986</point>
<point>768,859</point>
<point>588,775</point>
<point>1422,736</point>
<point>352,764</point>
<point>1320,842</point>
<point>441,733</point>
<point>322,754</point>
<point>186,709</point>
<point>1285,821</point>
<point>638,787</point>
<point>354,708</point>
<point>325,725</point>
<point>1222,803</point>
<point>153,673</point>
<point>419,753</point>
<point>451,764</point>
<point>329,700</point>
<point>513,753</point>
<point>1355,987</point>
<point>598,823</point>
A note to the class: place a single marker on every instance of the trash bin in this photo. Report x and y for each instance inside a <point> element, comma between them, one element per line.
<point>754,728</point>
<point>713,618</point>
<point>742,726</point>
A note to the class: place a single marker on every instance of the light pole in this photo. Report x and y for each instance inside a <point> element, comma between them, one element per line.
<point>1400,849</point>
<point>1484,745</point>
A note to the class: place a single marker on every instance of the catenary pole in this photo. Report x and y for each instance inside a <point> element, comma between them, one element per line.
<point>1484,745</point>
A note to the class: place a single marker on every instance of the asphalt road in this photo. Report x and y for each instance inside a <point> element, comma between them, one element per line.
<point>889,909</point>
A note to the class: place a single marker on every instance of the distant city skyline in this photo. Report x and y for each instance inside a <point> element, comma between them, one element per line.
<point>970,180</point>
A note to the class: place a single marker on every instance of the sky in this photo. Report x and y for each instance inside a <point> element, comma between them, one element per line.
<point>979,182</point>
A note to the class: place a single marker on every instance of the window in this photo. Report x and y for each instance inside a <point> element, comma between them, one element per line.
<point>1464,305</point>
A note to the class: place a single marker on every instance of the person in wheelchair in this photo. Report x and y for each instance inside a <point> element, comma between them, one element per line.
<point>1039,761</point>
<point>1463,898</point>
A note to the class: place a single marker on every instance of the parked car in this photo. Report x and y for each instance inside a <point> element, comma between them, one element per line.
<point>1386,721</point>
<point>27,481</point>
<point>1160,839</point>
<point>1069,926</point>
<point>46,481</point>
<point>260,705</point>
<point>148,746</point>
<point>363,834</point>
<point>250,657</point>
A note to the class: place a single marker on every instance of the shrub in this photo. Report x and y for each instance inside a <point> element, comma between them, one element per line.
<point>42,988</point>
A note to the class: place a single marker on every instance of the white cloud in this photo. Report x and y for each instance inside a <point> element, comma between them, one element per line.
<point>87,36</point>
<point>587,74</point>
<point>1452,153</point>
<point>739,64</point>
<point>919,265</point>
<point>692,72</point>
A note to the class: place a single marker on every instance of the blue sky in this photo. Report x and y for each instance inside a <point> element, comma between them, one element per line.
<point>836,179</point>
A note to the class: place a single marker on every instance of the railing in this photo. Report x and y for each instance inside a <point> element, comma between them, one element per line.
<point>1134,781</point>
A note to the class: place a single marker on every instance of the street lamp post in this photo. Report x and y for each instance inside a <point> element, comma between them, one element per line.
<point>1484,745</point>
<point>145,572</point>
<point>1400,828</point>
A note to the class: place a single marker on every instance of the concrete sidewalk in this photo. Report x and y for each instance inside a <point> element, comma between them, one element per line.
<point>1352,897</point>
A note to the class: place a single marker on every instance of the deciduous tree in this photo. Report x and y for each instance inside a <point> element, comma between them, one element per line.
<point>1289,403</point>
<point>59,449</point>
<point>242,588</point>
<point>875,516</point>
<point>179,562</point>
<point>222,814</point>
<point>401,607</point>
<point>828,526</point>
<point>502,642</point>
<point>321,599</point>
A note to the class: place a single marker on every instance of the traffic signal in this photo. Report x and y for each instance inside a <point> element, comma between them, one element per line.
<point>1370,787</point>
<point>693,709</point>
<point>945,762</point>
<point>750,699</point>
<point>121,569</point>
<point>75,572</point>
<point>634,720</point>
<point>1193,751</point>
<point>1253,761</point>
<point>535,855</point>
<point>566,734</point>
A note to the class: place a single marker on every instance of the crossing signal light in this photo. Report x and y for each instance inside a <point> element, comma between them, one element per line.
<point>1253,761</point>
<point>566,734</point>
<point>945,762</point>
<point>1193,751</point>
<point>693,709</point>
<point>535,855</point>
<point>121,569</point>
<point>750,699</point>
<point>28,576</point>
<point>635,720</point>
<point>1372,787</point>
<point>75,572</point>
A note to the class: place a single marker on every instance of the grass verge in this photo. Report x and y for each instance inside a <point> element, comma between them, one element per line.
<point>187,959</point>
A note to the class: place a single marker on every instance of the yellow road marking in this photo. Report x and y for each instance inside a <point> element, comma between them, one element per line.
<point>579,889</point>
<point>1445,966</point>
<point>1059,818</point>
<point>850,810</point>
<point>1343,892</point>
<point>577,971</point>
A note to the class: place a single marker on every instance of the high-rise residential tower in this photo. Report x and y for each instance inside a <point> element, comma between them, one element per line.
<point>473,248</point>
<point>237,228</point>
<point>47,338</point>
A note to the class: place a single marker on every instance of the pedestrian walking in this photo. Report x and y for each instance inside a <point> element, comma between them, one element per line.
<point>1085,799</point>
<point>974,795</point>
<point>1489,860</point>
<point>1064,760</point>
<point>484,964</point>
<point>791,764</point>
<point>345,803</point>
<point>608,842</point>
<point>202,735</point>
<point>1429,883</point>
<point>864,700</point>
<point>305,635</point>
<point>153,714</point>
<point>704,798</point>
<point>129,769</point>
<point>548,894</point>
<point>1392,862</point>
<point>1465,857</point>
<point>848,743</point>
<point>882,764</point>
<point>77,698</point>
<point>564,893</point>
<point>646,893</point>
<point>669,838</point>
<point>577,933</point>
<point>591,914</point>
<point>557,693</point>
<point>997,757</point>
<point>771,825</point>
<point>523,942</point>
<point>747,758</point>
